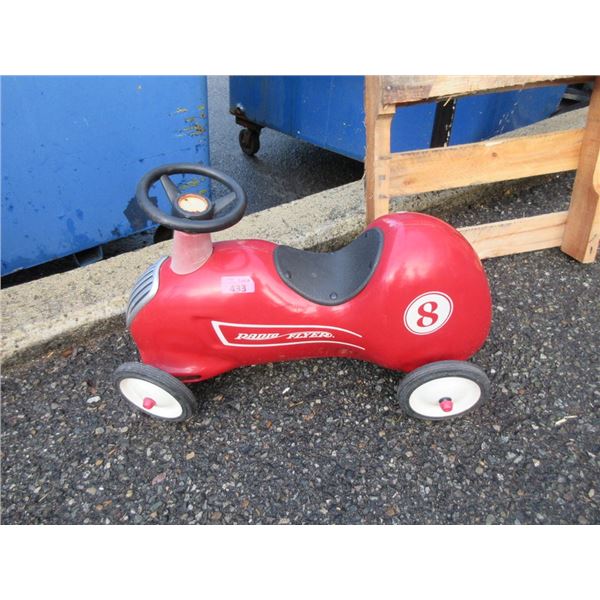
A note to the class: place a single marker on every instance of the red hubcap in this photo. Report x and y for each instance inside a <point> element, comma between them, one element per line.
<point>446,404</point>
<point>149,403</point>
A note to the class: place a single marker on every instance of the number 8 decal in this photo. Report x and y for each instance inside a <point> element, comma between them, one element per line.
<point>428,312</point>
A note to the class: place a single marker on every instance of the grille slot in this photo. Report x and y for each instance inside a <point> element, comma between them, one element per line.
<point>144,290</point>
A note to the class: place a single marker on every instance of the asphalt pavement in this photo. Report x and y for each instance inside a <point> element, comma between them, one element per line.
<point>324,441</point>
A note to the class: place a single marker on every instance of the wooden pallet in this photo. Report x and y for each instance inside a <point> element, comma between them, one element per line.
<point>387,174</point>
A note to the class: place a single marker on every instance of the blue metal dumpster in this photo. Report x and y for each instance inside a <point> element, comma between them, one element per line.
<point>329,112</point>
<point>73,150</point>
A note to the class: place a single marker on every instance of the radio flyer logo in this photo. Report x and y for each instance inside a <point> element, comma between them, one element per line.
<point>249,335</point>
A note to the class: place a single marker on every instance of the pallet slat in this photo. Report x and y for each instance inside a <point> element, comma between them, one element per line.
<point>403,89</point>
<point>517,235</point>
<point>582,233</point>
<point>483,162</point>
<point>378,130</point>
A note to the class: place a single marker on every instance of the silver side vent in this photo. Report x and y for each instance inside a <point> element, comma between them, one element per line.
<point>144,290</point>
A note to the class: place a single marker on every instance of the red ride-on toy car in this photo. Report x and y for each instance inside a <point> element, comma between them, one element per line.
<point>408,294</point>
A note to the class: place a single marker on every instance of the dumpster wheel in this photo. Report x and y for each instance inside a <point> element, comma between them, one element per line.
<point>249,141</point>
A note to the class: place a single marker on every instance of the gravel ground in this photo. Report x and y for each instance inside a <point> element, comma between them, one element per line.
<point>323,441</point>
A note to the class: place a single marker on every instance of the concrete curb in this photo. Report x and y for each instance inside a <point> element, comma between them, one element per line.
<point>66,308</point>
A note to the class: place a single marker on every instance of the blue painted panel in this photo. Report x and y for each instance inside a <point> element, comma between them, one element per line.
<point>481,117</point>
<point>329,112</point>
<point>73,150</point>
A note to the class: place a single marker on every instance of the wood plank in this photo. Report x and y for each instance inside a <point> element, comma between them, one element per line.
<point>378,132</point>
<point>404,89</point>
<point>582,233</point>
<point>484,162</point>
<point>517,235</point>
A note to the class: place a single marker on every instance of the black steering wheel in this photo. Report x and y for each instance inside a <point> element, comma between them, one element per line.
<point>192,213</point>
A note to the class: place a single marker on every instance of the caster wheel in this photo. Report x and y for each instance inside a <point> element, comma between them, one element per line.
<point>249,141</point>
<point>154,392</point>
<point>443,390</point>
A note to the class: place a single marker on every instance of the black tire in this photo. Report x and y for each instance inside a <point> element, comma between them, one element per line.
<point>249,141</point>
<point>439,370</point>
<point>145,373</point>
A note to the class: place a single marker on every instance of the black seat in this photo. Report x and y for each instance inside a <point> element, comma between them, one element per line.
<point>331,278</point>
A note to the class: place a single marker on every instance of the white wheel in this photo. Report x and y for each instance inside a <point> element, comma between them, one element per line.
<point>155,392</point>
<point>150,398</point>
<point>443,390</point>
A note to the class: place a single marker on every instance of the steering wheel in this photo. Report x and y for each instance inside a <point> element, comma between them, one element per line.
<point>192,213</point>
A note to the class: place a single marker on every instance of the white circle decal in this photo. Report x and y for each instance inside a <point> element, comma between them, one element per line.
<point>427,313</point>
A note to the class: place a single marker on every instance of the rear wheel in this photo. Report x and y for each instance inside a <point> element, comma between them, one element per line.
<point>443,390</point>
<point>154,392</point>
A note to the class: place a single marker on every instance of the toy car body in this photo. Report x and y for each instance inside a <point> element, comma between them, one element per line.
<point>408,294</point>
<point>425,299</point>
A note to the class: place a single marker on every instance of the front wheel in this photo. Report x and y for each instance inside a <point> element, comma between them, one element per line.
<point>443,390</point>
<point>155,392</point>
